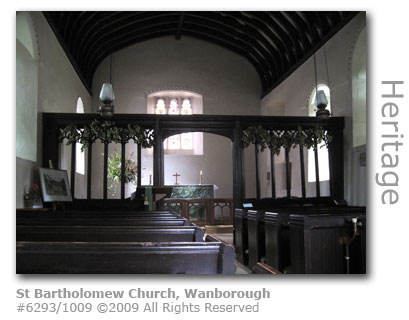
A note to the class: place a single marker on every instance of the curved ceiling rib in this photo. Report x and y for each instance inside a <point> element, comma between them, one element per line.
<point>275,43</point>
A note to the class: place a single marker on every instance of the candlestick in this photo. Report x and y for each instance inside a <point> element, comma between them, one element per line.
<point>201,176</point>
<point>150,177</point>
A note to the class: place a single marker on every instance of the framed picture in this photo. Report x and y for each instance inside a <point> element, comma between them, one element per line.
<point>54,185</point>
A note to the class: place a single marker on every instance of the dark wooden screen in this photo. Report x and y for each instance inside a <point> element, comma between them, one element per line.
<point>228,126</point>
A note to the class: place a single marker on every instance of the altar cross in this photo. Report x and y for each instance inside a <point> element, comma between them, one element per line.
<point>176,175</point>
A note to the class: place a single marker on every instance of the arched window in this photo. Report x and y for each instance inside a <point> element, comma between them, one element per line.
<point>177,102</point>
<point>79,155</point>
<point>323,161</point>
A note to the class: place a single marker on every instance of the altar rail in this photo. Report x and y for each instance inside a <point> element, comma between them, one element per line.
<point>217,211</point>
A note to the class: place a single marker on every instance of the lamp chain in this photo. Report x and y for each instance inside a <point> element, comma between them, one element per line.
<point>316,81</point>
<point>326,66</point>
<point>110,69</point>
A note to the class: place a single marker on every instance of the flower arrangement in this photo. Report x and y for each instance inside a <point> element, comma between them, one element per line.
<point>114,171</point>
<point>33,192</point>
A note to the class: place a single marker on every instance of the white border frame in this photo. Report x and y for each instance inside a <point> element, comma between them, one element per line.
<point>56,174</point>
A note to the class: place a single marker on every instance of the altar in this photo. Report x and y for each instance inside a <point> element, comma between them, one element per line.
<point>191,198</point>
<point>194,191</point>
<point>154,196</point>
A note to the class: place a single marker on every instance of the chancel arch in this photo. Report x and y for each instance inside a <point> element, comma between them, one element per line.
<point>194,169</point>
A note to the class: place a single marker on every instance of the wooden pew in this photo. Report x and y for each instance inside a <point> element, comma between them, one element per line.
<point>109,234</point>
<point>278,232</point>
<point>268,232</point>
<point>241,232</point>
<point>318,243</point>
<point>124,258</point>
<point>111,221</point>
<point>228,268</point>
<point>95,214</point>
<point>241,235</point>
<point>277,240</point>
<point>256,236</point>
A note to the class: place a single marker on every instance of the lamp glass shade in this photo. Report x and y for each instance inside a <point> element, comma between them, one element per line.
<point>321,99</point>
<point>107,93</point>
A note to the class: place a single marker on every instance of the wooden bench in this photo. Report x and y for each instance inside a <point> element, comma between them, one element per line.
<point>124,258</point>
<point>241,235</point>
<point>318,243</point>
<point>109,234</point>
<point>111,221</point>
<point>278,252</point>
<point>256,236</point>
<point>96,214</point>
<point>267,233</point>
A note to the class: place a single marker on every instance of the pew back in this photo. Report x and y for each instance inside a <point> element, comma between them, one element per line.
<point>109,234</point>
<point>124,258</point>
<point>104,222</point>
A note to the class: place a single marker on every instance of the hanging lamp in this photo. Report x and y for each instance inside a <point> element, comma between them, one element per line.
<point>107,95</point>
<point>321,100</point>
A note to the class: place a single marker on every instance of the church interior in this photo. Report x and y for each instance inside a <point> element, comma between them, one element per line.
<point>191,142</point>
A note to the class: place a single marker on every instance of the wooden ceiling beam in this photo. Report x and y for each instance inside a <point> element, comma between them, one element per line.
<point>230,33</point>
<point>180,26</point>
<point>113,46</point>
<point>315,48</point>
<point>274,24</point>
<point>298,39</point>
<point>69,37</point>
<point>301,27</point>
<point>89,33</point>
<point>127,29</point>
<point>275,43</point>
<point>312,25</point>
<point>87,22</point>
<point>263,34</point>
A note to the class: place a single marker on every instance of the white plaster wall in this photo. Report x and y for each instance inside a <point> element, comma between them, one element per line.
<point>58,90</point>
<point>290,98</point>
<point>59,85</point>
<point>358,69</point>
<point>228,83</point>
<point>26,103</point>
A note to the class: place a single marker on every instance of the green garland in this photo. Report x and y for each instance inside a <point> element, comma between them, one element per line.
<point>107,133</point>
<point>276,139</point>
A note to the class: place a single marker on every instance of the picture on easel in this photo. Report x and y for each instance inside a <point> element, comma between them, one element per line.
<point>54,185</point>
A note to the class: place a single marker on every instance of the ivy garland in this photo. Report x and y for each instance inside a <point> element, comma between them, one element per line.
<point>276,139</point>
<point>107,132</point>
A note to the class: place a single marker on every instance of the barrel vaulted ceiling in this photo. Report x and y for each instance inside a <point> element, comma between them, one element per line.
<point>275,43</point>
